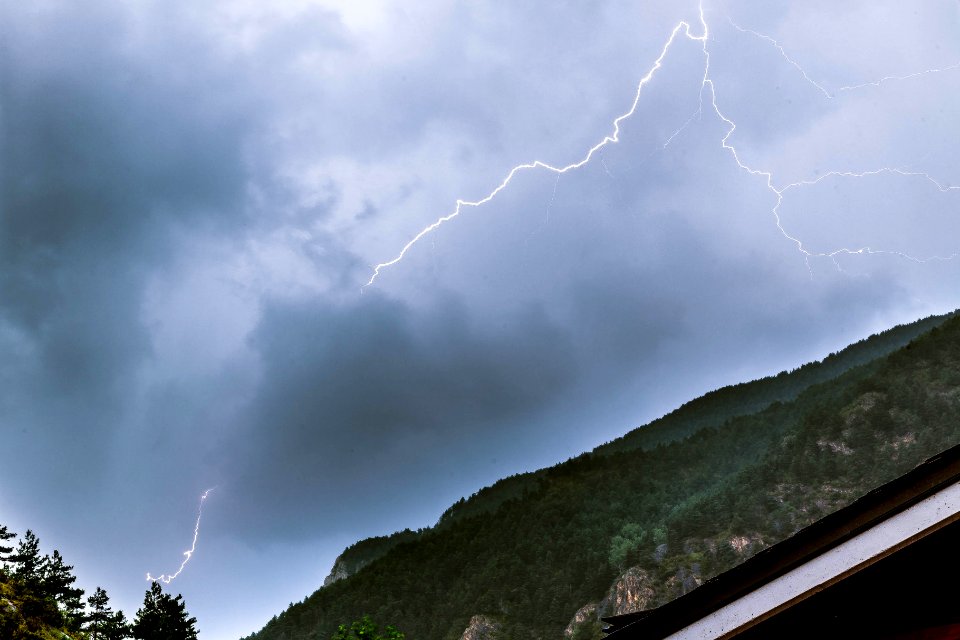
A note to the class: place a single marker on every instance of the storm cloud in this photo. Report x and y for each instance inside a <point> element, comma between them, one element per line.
<point>192,196</point>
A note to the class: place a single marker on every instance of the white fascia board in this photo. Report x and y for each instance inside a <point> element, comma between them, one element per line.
<point>856,553</point>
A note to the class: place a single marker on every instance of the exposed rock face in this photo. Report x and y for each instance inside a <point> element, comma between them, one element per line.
<point>660,553</point>
<point>338,572</point>
<point>685,579</point>
<point>632,591</point>
<point>583,614</point>
<point>835,446</point>
<point>481,628</point>
<point>744,545</point>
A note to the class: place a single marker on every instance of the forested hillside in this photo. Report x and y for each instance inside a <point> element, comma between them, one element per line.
<point>755,463</point>
<point>39,600</point>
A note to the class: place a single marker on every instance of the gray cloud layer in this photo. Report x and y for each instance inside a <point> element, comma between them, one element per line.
<point>190,197</point>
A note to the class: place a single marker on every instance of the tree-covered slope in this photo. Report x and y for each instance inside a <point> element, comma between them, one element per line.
<point>362,553</point>
<point>677,511</point>
<point>714,408</point>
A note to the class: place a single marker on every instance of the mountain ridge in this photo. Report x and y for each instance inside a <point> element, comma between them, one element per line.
<point>705,450</point>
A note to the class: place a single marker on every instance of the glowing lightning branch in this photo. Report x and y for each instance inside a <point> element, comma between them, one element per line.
<point>830,174</point>
<point>167,579</point>
<point>853,87</point>
<point>612,138</point>
<point>909,76</point>
<point>783,53</point>
<point>707,84</point>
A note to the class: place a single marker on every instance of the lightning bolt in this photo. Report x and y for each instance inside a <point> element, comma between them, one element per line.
<point>786,56</point>
<point>779,192</point>
<point>167,579</point>
<point>683,28</point>
<point>614,137</point>
<point>838,90</point>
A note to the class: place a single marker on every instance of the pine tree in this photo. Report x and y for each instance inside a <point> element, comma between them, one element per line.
<point>366,629</point>
<point>163,617</point>
<point>57,582</point>
<point>27,561</point>
<point>5,534</point>
<point>102,622</point>
<point>36,605</point>
<point>117,628</point>
<point>100,614</point>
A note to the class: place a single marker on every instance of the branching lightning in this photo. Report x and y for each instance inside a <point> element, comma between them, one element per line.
<point>707,85</point>
<point>614,137</point>
<point>167,579</point>
<point>779,192</point>
<point>838,90</point>
<point>785,55</point>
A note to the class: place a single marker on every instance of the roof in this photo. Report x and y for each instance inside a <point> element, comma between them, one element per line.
<point>904,495</point>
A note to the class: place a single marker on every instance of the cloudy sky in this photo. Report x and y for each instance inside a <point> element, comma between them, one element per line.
<point>192,196</point>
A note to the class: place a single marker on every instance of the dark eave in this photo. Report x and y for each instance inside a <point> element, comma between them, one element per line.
<point>926,479</point>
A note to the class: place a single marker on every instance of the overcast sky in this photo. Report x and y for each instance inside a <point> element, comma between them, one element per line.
<point>192,195</point>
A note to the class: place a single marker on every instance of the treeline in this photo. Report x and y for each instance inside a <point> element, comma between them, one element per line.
<point>682,510</point>
<point>39,600</point>
<point>714,408</point>
<point>856,435</point>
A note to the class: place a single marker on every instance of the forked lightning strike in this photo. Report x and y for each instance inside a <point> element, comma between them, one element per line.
<point>830,174</point>
<point>167,579</point>
<point>707,83</point>
<point>614,137</point>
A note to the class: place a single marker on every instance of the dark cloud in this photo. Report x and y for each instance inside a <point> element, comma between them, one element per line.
<point>191,195</point>
<point>107,157</point>
<point>345,387</point>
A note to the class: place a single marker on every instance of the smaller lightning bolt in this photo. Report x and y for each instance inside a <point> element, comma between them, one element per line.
<point>943,188</point>
<point>785,55</point>
<point>832,255</point>
<point>780,192</point>
<point>167,579</point>
<point>909,76</point>
<point>852,87</point>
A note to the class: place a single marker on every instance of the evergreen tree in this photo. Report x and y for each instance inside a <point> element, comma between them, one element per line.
<point>100,614</point>
<point>366,629</point>
<point>163,617</point>
<point>37,608</point>
<point>58,582</point>
<point>5,534</point>
<point>117,628</point>
<point>58,577</point>
<point>27,561</point>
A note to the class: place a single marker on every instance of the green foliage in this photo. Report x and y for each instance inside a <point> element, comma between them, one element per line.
<point>366,629</point>
<point>163,617</point>
<point>683,510</point>
<point>102,622</point>
<point>590,630</point>
<point>58,580</point>
<point>716,407</point>
<point>38,599</point>
<point>489,499</point>
<point>362,553</point>
<point>27,562</point>
<point>5,534</point>
<point>631,537</point>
